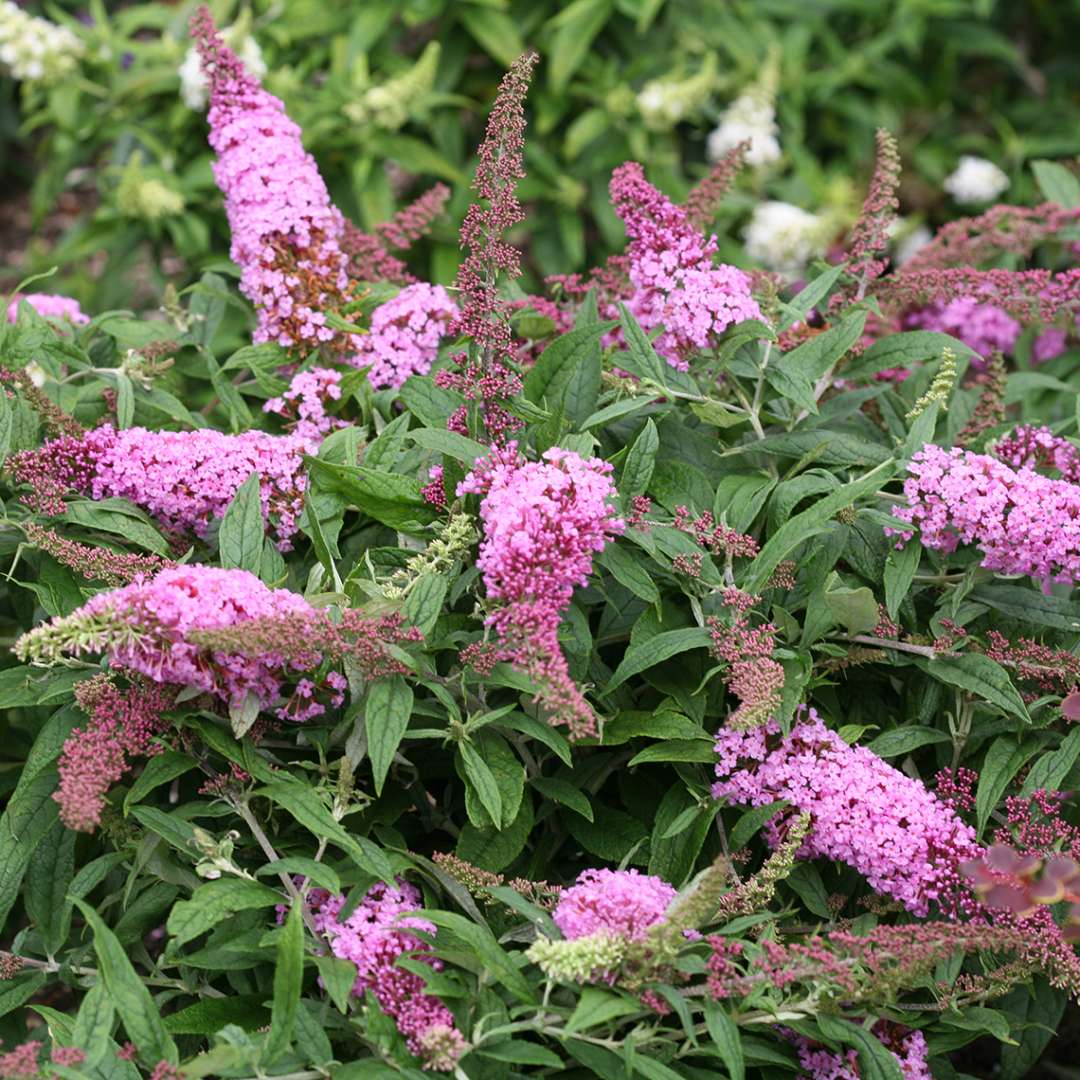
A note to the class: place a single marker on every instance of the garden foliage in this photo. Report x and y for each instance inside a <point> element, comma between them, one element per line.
<point>667,674</point>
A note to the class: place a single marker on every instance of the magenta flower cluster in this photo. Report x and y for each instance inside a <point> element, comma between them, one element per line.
<point>304,404</point>
<point>1029,447</point>
<point>162,611</point>
<point>285,230</point>
<point>983,327</point>
<point>405,335</point>
<point>185,479</point>
<point>1023,523</point>
<point>909,1049</point>
<point>676,285</point>
<point>543,522</point>
<point>374,934</point>
<point>899,836</point>
<point>622,902</point>
<point>49,306</point>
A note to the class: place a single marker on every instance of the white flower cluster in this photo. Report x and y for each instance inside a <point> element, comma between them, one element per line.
<point>975,180</point>
<point>33,49</point>
<point>193,85</point>
<point>663,103</point>
<point>784,238</point>
<point>750,116</point>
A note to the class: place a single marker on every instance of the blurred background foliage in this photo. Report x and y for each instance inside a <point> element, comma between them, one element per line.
<point>106,172</point>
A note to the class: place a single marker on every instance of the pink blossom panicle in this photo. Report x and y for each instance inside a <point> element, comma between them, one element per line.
<point>304,404</point>
<point>543,523</point>
<point>898,835</point>
<point>1022,522</point>
<point>49,306</point>
<point>375,933</point>
<point>285,231</point>
<point>623,902</point>
<point>1038,448</point>
<point>676,285</point>
<point>983,327</point>
<point>908,1047</point>
<point>405,335</point>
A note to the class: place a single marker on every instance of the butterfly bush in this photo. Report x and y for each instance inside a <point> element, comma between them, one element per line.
<point>405,335</point>
<point>623,902</point>
<point>143,628</point>
<point>676,284</point>
<point>899,836</point>
<point>909,1049</point>
<point>373,935</point>
<point>305,401</point>
<point>984,327</point>
<point>1021,522</point>
<point>35,50</point>
<point>285,231</point>
<point>49,306</point>
<point>543,523</point>
<point>185,479</point>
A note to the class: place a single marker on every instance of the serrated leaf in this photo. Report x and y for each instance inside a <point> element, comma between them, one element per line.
<point>900,568</point>
<point>1003,761</point>
<point>725,1037</point>
<point>240,541</point>
<point>214,901</point>
<point>288,978</point>
<point>566,376</point>
<point>981,676</point>
<point>482,780</point>
<point>656,650</point>
<point>387,708</point>
<point>640,462</point>
<point>159,770</point>
<point>904,740</point>
<point>597,1007</point>
<point>562,791</point>
<point>209,1016</point>
<point>129,995</point>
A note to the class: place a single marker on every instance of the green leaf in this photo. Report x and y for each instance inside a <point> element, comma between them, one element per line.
<point>576,26</point>
<point>5,427</point>
<point>1050,770</point>
<point>630,571</point>
<point>389,498</point>
<point>159,770</point>
<point>17,992</point>
<point>494,31</point>
<point>121,518</point>
<point>597,1007</point>
<point>903,740</point>
<point>1003,761</point>
<point>424,604</point>
<point>904,350</point>
<point>855,609</point>
<point>47,882</point>
<point>339,978</point>
<point>810,296</point>
<point>875,1062</point>
<point>752,820</point>
<point>641,359</point>
<point>640,462</point>
<point>240,540</point>
<point>93,1024</point>
<point>288,979</point>
<point>214,901</point>
<point>209,1016</point>
<point>562,791</point>
<point>387,708</point>
<point>981,676</point>
<point>725,1037</point>
<point>486,950</point>
<point>824,447</point>
<point>566,376</point>
<point>647,654</point>
<point>519,1052</point>
<point>450,443</point>
<point>901,566</point>
<point>809,523</point>
<point>1031,605</point>
<point>700,750</point>
<point>129,995</point>
<point>482,780</point>
<point>1057,183</point>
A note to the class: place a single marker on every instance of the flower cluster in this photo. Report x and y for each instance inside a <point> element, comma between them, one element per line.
<point>144,628</point>
<point>975,180</point>
<point>1029,447</point>
<point>676,286</point>
<point>623,902</point>
<point>751,118</point>
<point>194,85</point>
<point>908,1047</point>
<point>122,725</point>
<point>543,522</point>
<point>1023,523</point>
<point>49,306</point>
<point>784,238</point>
<point>664,103</point>
<point>373,935</point>
<point>753,676</point>
<point>285,231</point>
<point>405,335</point>
<point>185,479</point>
<point>93,563</point>
<point>305,401</point>
<point>985,328</point>
<point>35,50</point>
<point>864,812</point>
